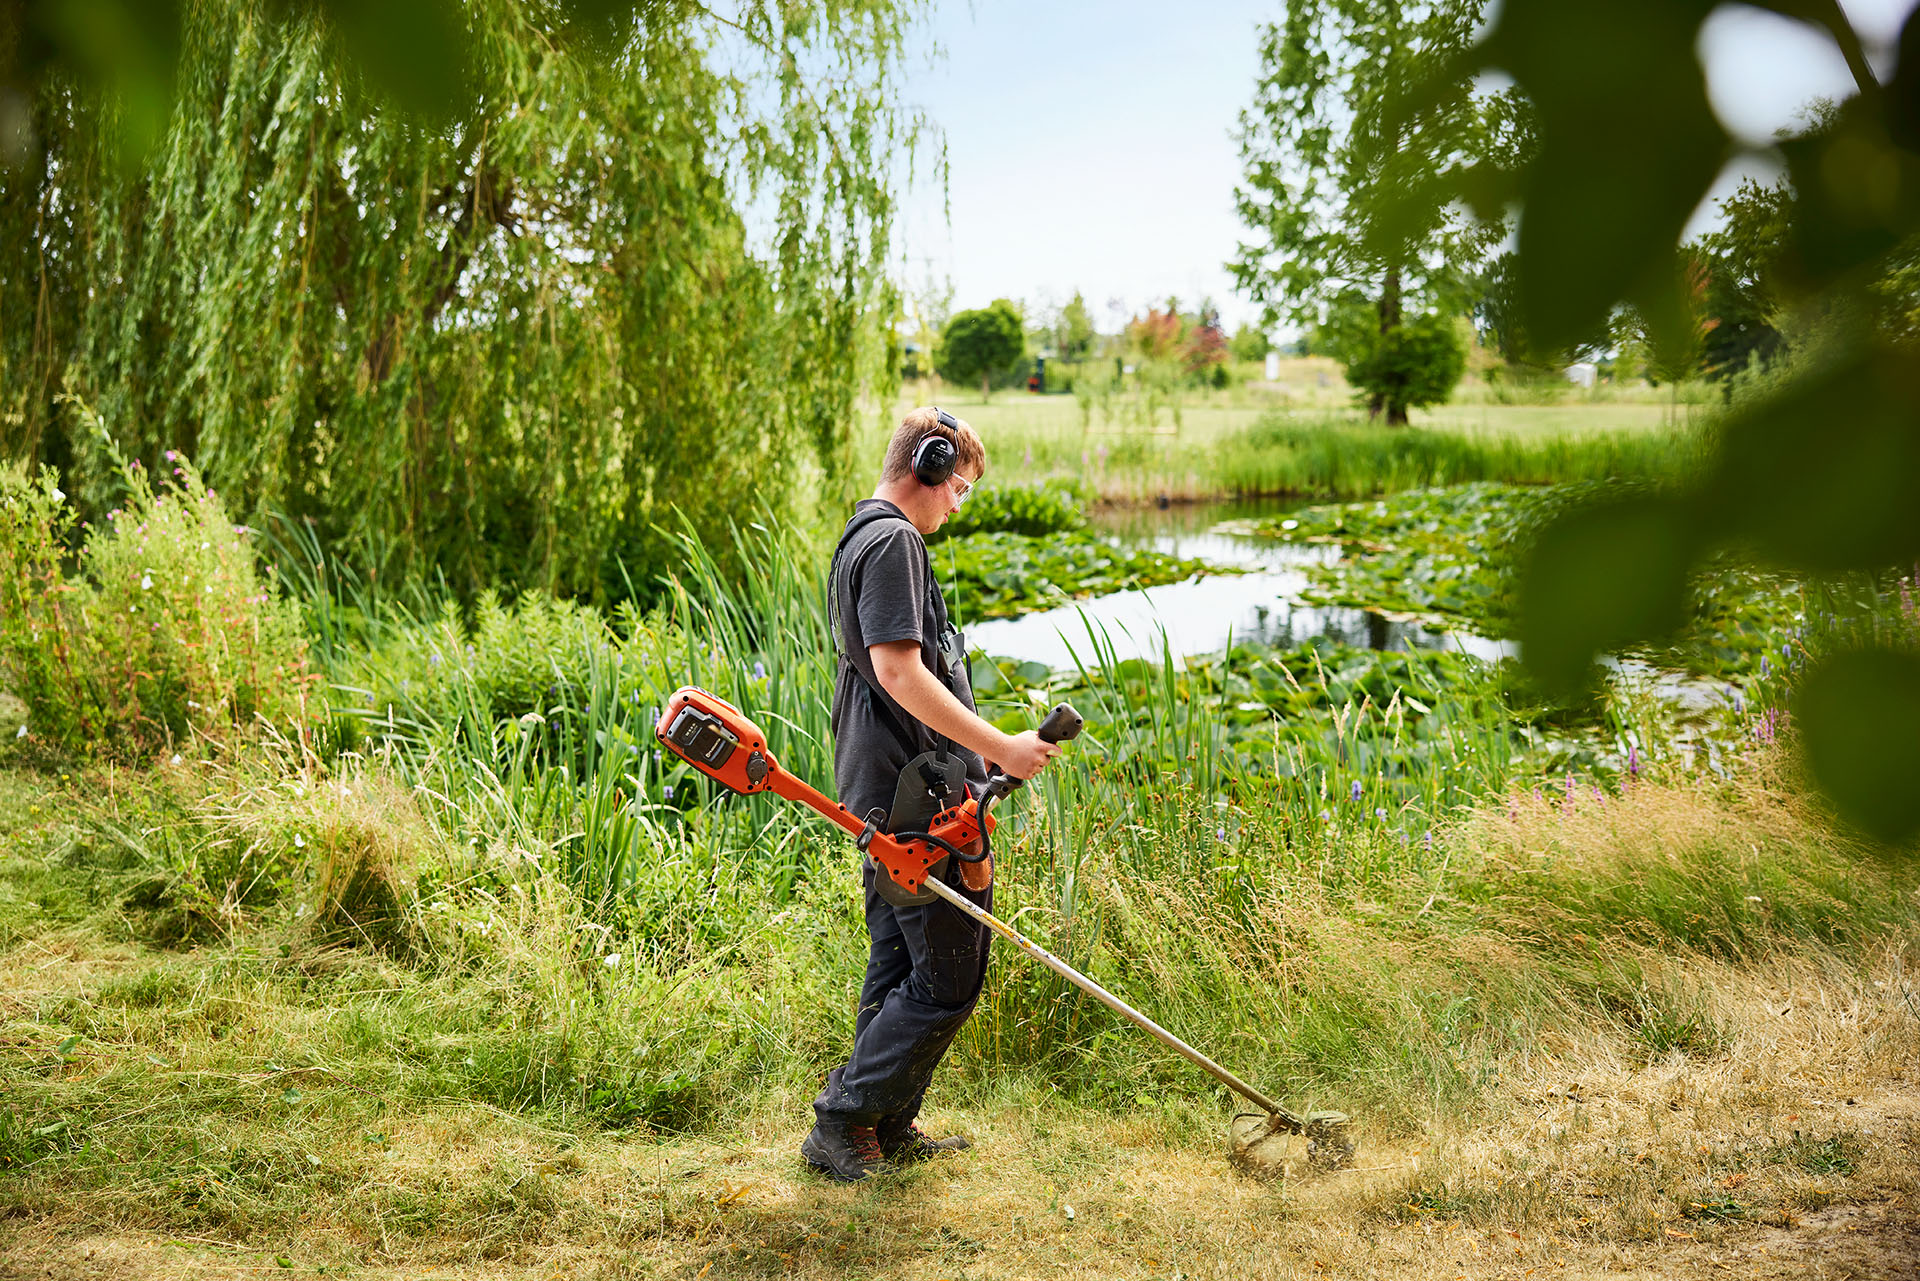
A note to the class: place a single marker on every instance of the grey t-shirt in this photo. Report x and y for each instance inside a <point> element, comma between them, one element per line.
<point>884,590</point>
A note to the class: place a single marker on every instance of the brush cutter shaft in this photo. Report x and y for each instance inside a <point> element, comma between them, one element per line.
<point>1115,1004</point>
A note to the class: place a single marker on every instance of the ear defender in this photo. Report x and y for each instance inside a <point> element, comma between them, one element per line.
<point>935,456</point>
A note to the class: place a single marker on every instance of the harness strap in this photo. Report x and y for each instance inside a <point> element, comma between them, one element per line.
<point>881,701</point>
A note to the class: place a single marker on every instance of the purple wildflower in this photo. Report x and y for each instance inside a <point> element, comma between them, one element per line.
<point>1633,761</point>
<point>170,455</point>
<point>1356,791</point>
<point>668,791</point>
<point>759,671</point>
<point>1219,833</point>
<point>1380,814</point>
<point>1429,842</point>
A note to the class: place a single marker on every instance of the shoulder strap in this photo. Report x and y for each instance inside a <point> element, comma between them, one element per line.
<point>882,703</point>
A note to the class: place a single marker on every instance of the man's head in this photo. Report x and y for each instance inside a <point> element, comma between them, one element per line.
<point>928,506</point>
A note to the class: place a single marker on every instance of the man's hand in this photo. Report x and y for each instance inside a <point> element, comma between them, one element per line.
<point>1026,754</point>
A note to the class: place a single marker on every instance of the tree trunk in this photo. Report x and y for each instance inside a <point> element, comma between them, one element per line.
<point>1389,321</point>
<point>986,388</point>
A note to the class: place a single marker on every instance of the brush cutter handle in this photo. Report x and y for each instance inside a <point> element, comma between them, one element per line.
<point>1062,723</point>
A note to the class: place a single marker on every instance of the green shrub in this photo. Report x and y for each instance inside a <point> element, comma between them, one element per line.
<point>1033,510</point>
<point>163,627</point>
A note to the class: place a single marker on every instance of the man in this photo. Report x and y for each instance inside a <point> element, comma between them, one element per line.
<point>903,710</point>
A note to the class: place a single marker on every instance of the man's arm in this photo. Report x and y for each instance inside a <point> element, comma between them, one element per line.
<point>919,691</point>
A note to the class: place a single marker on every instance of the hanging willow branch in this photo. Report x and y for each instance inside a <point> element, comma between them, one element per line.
<point>501,347</point>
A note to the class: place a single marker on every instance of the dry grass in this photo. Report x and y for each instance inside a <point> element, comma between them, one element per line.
<point>1594,1164</point>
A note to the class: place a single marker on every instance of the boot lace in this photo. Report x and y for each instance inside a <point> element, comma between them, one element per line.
<point>865,1143</point>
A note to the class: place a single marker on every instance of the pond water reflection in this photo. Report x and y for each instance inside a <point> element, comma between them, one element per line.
<point>1200,615</point>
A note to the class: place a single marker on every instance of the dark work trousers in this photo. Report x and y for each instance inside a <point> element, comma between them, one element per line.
<point>925,968</point>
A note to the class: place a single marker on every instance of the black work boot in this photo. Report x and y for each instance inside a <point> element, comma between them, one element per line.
<point>902,1144</point>
<point>844,1153</point>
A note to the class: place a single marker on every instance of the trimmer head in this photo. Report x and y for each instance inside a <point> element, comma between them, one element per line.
<point>1259,1146</point>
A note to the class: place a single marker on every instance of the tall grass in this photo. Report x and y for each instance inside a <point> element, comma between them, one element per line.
<point>1334,457</point>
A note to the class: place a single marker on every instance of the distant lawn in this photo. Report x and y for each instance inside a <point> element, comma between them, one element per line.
<point>1253,438</point>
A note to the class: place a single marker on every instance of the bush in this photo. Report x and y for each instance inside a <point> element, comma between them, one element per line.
<point>1034,510</point>
<point>163,627</point>
<point>1413,365</point>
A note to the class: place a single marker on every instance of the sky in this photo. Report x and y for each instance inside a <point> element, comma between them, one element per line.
<point>1091,146</point>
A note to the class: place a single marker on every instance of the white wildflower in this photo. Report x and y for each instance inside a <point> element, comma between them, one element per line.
<point>613,961</point>
<point>175,760</point>
<point>146,582</point>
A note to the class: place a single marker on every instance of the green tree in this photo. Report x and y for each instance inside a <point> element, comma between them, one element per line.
<point>1416,363</point>
<point>1744,291</point>
<point>1498,318</point>
<point>1353,137</point>
<point>1076,332</point>
<point>982,343</point>
<point>1250,342</point>
<point>501,344</point>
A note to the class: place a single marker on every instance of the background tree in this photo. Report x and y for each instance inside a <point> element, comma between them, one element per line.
<point>1076,335</point>
<point>1743,290</point>
<point>1413,365</point>
<point>1498,319</point>
<point>1352,147</point>
<point>1249,343</point>
<point>982,343</point>
<point>1204,347</point>
<point>500,341</point>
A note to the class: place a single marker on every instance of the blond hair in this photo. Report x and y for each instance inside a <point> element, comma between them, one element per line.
<point>969,453</point>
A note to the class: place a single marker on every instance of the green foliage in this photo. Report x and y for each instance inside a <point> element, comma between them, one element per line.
<point>1451,557</point>
<point>1347,148</point>
<point>501,347</point>
<point>1075,336</point>
<point>1281,455</point>
<point>1413,365</point>
<point>1052,506</point>
<point>1249,343</point>
<point>166,627</point>
<point>1819,472</point>
<point>981,343</point>
<point>1744,289</point>
<point>998,575</point>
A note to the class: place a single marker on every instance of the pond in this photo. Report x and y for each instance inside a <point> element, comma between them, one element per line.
<point>1201,615</point>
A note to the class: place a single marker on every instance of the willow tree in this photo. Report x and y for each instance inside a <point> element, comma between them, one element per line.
<point>502,344</point>
<point>1352,150</point>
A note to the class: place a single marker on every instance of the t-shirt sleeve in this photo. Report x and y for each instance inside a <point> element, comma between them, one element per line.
<point>893,583</point>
